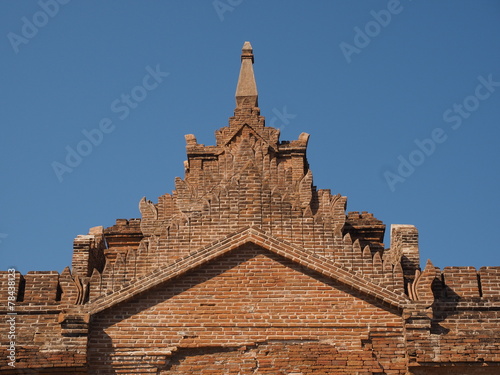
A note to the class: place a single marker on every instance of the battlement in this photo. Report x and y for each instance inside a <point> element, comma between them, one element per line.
<point>454,284</point>
<point>363,215</point>
<point>462,283</point>
<point>41,288</point>
<point>404,248</point>
<point>363,226</point>
<point>121,238</point>
<point>125,226</point>
<point>88,251</point>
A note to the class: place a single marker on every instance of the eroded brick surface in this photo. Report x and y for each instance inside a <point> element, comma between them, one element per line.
<point>248,297</point>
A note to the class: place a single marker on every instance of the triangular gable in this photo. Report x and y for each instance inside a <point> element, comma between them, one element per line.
<point>235,132</point>
<point>226,245</point>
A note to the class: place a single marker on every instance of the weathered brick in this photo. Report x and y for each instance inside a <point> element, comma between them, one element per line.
<point>248,268</point>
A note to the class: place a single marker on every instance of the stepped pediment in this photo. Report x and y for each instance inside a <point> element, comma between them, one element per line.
<point>247,265</point>
<point>388,294</point>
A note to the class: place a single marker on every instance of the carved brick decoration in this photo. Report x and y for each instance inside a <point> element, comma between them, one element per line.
<point>248,268</point>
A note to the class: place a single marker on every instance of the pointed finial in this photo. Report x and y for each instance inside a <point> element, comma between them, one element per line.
<point>246,91</point>
<point>247,51</point>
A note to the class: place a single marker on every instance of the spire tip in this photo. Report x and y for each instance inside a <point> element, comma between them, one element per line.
<point>246,91</point>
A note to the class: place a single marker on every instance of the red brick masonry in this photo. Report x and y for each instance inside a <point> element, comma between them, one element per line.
<point>248,268</point>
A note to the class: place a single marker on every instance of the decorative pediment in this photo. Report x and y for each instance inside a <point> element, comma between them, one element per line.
<point>231,243</point>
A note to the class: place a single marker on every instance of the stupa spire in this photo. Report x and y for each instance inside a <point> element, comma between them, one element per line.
<point>246,91</point>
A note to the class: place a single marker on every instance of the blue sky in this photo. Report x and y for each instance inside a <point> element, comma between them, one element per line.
<point>401,100</point>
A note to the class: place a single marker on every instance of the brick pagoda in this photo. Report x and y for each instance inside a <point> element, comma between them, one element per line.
<point>248,268</point>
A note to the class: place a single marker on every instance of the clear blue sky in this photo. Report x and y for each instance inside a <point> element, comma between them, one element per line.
<point>369,80</point>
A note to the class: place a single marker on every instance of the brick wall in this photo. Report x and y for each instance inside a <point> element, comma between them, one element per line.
<point>256,299</point>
